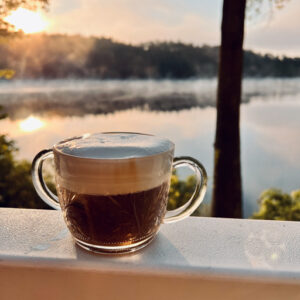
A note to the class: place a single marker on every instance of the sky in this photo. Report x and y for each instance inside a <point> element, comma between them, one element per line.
<point>191,21</point>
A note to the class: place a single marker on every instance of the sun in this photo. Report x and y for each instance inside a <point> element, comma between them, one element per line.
<point>26,20</point>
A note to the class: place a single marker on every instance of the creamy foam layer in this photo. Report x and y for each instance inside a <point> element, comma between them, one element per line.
<point>111,164</point>
<point>114,145</point>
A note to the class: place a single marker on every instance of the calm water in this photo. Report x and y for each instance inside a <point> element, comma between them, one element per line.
<point>44,112</point>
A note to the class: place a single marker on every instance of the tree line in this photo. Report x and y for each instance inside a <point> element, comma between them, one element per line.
<point>64,56</point>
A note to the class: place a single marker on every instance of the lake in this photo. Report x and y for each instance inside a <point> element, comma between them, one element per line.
<point>44,112</point>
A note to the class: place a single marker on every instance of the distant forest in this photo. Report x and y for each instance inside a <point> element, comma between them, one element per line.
<point>64,56</point>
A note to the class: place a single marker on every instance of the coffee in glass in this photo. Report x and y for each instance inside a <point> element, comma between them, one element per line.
<point>113,188</point>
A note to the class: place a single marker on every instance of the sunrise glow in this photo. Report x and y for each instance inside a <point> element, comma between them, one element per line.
<point>31,124</point>
<point>27,21</point>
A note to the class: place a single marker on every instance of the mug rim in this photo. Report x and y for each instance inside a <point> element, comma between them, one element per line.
<point>55,150</point>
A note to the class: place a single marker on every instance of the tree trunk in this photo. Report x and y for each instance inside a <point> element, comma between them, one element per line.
<point>227,189</point>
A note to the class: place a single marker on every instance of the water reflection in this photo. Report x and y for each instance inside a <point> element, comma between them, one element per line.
<point>193,124</point>
<point>278,126</point>
<point>31,124</point>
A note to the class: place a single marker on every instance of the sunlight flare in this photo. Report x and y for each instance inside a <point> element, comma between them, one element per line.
<point>31,124</point>
<point>27,21</point>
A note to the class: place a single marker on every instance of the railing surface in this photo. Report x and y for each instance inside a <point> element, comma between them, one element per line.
<point>198,258</point>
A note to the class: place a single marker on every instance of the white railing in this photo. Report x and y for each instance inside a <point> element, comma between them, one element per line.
<point>198,258</point>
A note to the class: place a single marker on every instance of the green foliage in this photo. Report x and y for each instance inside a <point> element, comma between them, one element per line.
<point>16,189</point>
<point>7,74</point>
<point>181,191</point>
<point>276,205</point>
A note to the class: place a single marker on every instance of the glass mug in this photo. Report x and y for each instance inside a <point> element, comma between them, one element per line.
<point>113,188</point>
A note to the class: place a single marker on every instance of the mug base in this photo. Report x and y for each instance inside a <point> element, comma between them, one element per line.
<point>115,249</point>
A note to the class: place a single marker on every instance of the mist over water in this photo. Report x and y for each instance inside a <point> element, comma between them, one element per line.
<point>21,98</point>
<point>43,112</point>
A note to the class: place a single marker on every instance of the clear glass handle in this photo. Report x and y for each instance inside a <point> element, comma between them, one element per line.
<point>38,180</point>
<point>201,182</point>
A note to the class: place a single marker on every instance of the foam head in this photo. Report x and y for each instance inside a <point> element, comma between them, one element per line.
<point>114,145</point>
<point>113,163</point>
